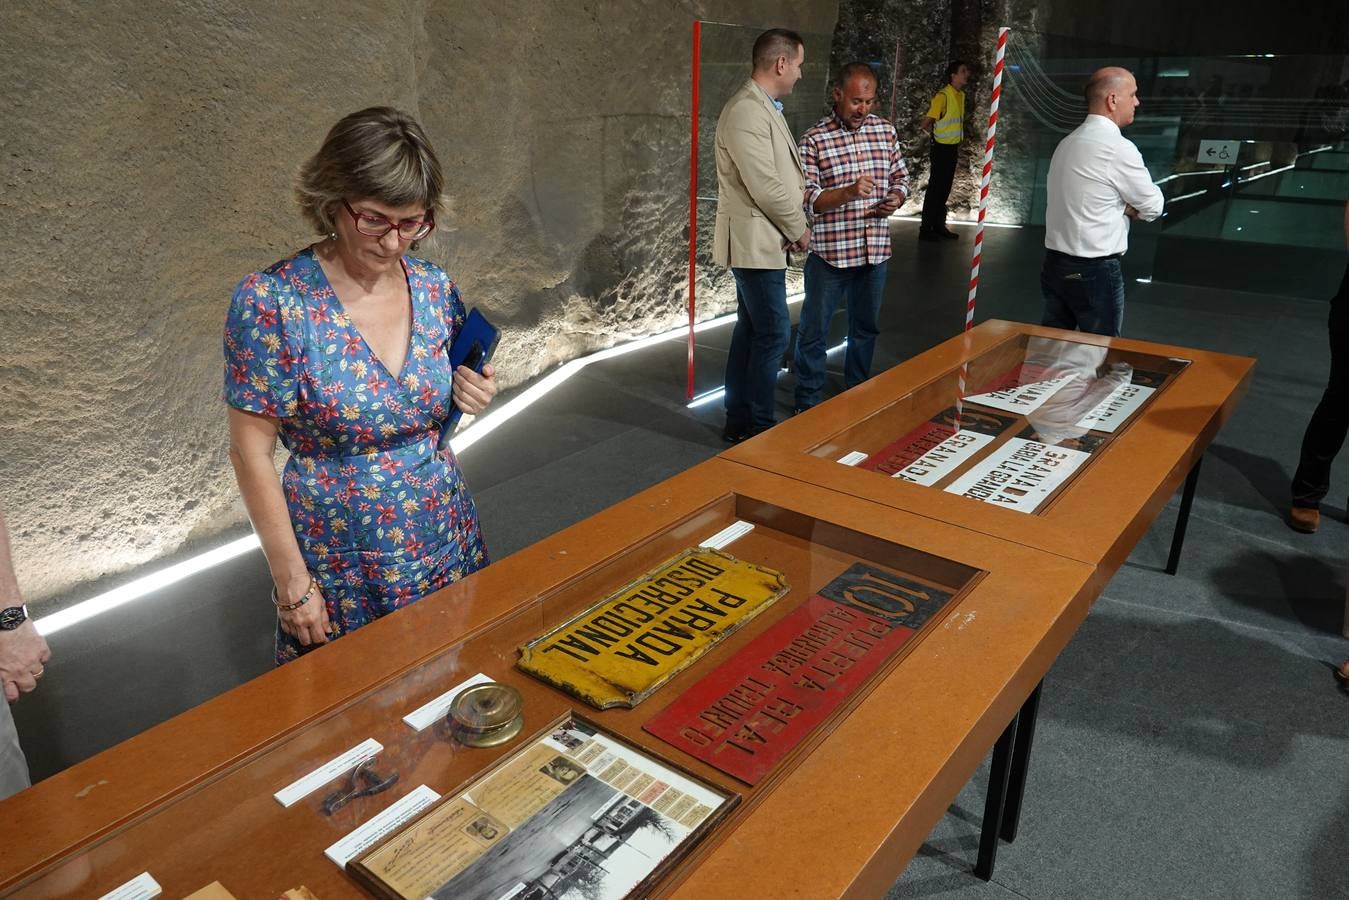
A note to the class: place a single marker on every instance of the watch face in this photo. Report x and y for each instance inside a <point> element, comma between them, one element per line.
<point>12,617</point>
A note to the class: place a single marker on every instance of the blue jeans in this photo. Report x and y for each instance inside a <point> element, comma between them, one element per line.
<point>762,330</point>
<point>861,288</point>
<point>1082,294</point>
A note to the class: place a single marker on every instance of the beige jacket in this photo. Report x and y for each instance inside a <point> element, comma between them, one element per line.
<point>760,184</point>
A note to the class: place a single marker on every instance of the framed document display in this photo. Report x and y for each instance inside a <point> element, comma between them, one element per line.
<point>577,812</point>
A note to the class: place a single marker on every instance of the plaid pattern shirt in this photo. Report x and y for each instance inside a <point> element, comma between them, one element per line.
<point>835,156</point>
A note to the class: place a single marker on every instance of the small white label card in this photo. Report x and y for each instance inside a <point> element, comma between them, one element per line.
<point>1020,475</point>
<point>325,773</point>
<point>360,840</point>
<point>852,458</point>
<point>1023,398</point>
<point>142,887</point>
<point>431,711</point>
<point>733,532</point>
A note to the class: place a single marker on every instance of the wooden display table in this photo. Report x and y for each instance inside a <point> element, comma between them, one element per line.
<point>191,801</point>
<point>1129,420</point>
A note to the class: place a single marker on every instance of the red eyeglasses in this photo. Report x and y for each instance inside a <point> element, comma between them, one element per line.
<point>378,226</point>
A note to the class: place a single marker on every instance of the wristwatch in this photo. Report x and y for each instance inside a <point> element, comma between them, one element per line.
<point>13,617</point>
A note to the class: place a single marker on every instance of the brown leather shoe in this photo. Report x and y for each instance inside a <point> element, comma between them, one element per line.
<point>1305,520</point>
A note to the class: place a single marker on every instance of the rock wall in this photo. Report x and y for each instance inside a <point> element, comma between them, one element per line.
<point>911,42</point>
<point>148,151</point>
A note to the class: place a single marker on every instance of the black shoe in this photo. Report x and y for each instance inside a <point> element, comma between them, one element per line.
<point>949,234</point>
<point>929,235</point>
<point>735,433</point>
<point>1340,677</point>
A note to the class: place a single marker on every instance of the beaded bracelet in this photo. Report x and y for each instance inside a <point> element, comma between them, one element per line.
<point>287,607</point>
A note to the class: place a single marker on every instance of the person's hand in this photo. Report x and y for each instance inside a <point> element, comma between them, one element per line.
<point>309,623</point>
<point>473,392</point>
<point>887,206</point>
<point>862,187</point>
<point>801,244</point>
<point>23,658</point>
<point>1130,211</point>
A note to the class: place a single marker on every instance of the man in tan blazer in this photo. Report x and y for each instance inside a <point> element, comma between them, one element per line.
<point>760,215</point>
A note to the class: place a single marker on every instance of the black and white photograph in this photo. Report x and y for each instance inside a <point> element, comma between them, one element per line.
<point>562,769</point>
<point>568,739</point>
<point>591,842</point>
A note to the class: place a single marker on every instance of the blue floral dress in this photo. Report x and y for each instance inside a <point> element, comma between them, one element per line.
<point>381,517</point>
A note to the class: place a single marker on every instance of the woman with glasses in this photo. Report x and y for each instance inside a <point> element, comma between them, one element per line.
<point>341,351</point>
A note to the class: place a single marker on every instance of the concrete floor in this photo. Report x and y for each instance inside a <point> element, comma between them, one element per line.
<point>1190,741</point>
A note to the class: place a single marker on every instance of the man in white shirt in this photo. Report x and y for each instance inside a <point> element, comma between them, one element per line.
<point>1097,182</point>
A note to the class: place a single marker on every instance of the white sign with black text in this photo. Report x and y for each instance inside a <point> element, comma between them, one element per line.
<point>1219,153</point>
<point>1022,398</point>
<point>1020,476</point>
<point>944,458</point>
<point>1115,410</point>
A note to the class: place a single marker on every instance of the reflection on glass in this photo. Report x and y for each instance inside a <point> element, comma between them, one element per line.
<point>1286,115</point>
<point>1068,413</point>
<point>1036,413</point>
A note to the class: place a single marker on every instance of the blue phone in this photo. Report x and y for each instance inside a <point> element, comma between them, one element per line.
<point>473,346</point>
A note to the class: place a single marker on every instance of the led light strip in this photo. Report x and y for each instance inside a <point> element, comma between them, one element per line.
<point>894,217</point>
<point>134,590</point>
<point>717,393</point>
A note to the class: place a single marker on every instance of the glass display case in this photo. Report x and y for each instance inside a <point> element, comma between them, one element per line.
<point>859,608</point>
<point>1035,412</point>
<point>1067,442</point>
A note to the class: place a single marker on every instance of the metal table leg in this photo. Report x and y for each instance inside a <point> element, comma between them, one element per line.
<point>996,801</point>
<point>1186,499</point>
<point>1016,788</point>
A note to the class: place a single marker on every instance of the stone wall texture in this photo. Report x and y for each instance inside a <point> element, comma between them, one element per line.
<point>146,157</point>
<point>910,43</point>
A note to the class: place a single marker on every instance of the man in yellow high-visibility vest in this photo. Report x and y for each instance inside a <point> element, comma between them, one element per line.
<point>945,119</point>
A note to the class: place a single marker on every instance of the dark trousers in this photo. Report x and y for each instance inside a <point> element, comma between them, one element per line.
<point>762,330</point>
<point>1329,424</point>
<point>860,287</point>
<point>939,177</point>
<point>1082,294</point>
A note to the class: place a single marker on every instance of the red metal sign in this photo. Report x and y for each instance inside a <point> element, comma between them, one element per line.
<point>746,715</point>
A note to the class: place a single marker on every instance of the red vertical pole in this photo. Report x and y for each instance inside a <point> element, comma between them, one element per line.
<point>894,83</point>
<point>693,195</point>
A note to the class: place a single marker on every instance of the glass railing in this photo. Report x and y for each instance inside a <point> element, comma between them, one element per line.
<point>1246,149</point>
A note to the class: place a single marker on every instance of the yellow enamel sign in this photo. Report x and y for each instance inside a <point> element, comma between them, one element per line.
<point>624,647</point>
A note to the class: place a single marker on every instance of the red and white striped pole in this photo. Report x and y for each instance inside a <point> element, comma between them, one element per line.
<point>983,202</point>
<point>987,177</point>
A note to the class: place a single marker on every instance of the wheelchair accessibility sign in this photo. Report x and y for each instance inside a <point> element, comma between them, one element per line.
<point>1219,153</point>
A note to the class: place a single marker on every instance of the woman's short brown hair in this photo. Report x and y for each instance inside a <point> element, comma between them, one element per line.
<point>378,153</point>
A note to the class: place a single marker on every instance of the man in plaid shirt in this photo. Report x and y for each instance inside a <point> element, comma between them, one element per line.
<point>855,178</point>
